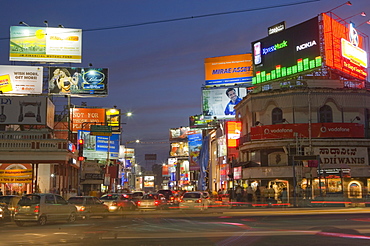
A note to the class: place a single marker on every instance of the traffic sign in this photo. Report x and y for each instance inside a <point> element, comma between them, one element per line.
<point>100,130</point>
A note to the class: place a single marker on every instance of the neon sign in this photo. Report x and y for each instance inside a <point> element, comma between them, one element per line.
<point>275,47</point>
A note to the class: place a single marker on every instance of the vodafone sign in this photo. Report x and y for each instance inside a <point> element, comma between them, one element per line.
<point>318,130</point>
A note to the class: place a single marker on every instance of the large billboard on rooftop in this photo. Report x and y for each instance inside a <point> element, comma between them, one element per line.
<point>290,52</point>
<point>45,44</point>
<point>344,48</point>
<point>228,70</point>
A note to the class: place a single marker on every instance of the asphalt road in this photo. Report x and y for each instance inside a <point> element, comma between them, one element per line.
<point>268,226</point>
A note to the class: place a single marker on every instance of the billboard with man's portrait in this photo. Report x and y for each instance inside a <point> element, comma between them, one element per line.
<point>220,102</point>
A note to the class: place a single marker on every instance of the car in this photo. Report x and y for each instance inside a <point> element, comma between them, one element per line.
<point>136,196</point>
<point>43,207</point>
<point>11,201</point>
<point>194,200</point>
<point>5,213</point>
<point>152,201</point>
<point>117,202</point>
<point>88,206</point>
<point>170,195</point>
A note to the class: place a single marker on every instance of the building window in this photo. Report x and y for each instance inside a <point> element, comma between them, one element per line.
<point>325,114</point>
<point>277,116</point>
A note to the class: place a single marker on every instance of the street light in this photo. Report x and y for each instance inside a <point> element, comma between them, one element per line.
<point>361,13</point>
<point>346,3</point>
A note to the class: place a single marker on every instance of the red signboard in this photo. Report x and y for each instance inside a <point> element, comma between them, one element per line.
<point>82,118</point>
<point>342,54</point>
<point>318,130</point>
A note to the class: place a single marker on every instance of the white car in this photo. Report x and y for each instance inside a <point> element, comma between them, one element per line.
<point>194,200</point>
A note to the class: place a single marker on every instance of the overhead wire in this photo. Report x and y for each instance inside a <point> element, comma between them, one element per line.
<point>192,17</point>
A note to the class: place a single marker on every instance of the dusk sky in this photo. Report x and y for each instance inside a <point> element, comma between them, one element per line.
<point>155,50</point>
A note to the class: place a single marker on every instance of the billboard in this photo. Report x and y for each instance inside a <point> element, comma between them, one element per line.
<point>26,111</point>
<point>83,118</point>
<point>45,44</point>
<point>343,48</point>
<point>179,149</point>
<point>21,80</point>
<point>179,133</point>
<point>228,70</point>
<point>293,51</point>
<point>199,121</point>
<point>318,130</point>
<point>195,145</point>
<point>233,130</point>
<point>78,81</point>
<point>220,102</point>
<point>100,147</point>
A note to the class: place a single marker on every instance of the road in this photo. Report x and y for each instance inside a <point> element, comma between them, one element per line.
<point>269,226</point>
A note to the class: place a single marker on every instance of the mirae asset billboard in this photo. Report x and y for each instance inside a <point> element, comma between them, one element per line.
<point>228,70</point>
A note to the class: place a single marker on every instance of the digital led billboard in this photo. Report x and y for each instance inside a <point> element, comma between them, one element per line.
<point>220,101</point>
<point>45,44</point>
<point>78,81</point>
<point>228,70</point>
<point>293,51</point>
<point>344,48</point>
<point>21,80</point>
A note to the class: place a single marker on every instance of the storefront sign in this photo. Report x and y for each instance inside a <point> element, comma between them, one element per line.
<point>342,155</point>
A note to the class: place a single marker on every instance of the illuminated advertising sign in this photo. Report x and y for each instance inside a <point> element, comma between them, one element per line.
<point>233,129</point>
<point>99,147</point>
<point>287,53</point>
<point>148,181</point>
<point>179,133</point>
<point>237,172</point>
<point>318,130</point>
<point>195,145</point>
<point>45,44</point>
<point>276,28</point>
<point>179,149</point>
<point>78,81</point>
<point>199,121</point>
<point>83,118</point>
<point>27,111</point>
<point>220,102</point>
<point>343,47</point>
<point>228,70</point>
<point>21,79</point>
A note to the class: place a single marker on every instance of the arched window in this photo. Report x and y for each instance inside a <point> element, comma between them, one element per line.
<point>277,116</point>
<point>325,114</point>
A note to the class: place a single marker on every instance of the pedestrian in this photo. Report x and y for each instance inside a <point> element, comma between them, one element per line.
<point>284,195</point>
<point>250,194</point>
<point>257,193</point>
<point>238,192</point>
<point>1,192</point>
<point>271,193</point>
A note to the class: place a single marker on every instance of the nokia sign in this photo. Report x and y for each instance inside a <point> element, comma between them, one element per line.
<point>289,52</point>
